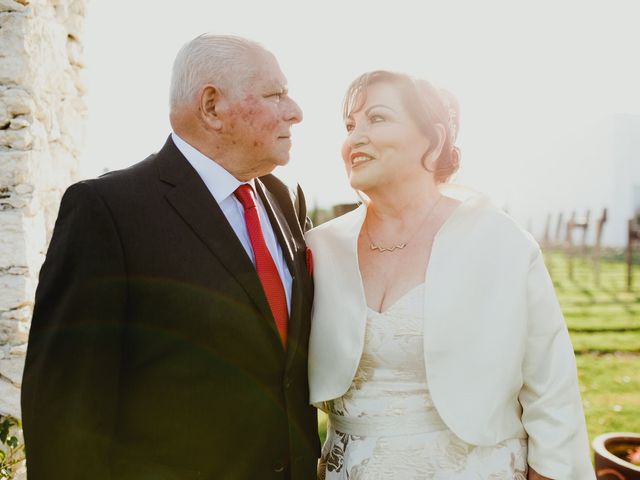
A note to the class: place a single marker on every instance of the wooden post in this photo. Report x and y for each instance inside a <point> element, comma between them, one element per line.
<point>343,208</point>
<point>582,224</point>
<point>597,246</point>
<point>559,224</point>
<point>633,237</point>
<point>546,238</point>
<point>569,244</point>
<point>585,228</point>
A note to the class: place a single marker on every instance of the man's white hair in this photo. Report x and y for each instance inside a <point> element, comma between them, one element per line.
<point>218,59</point>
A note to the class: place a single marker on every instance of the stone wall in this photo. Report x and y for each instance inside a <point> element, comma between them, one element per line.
<point>41,131</point>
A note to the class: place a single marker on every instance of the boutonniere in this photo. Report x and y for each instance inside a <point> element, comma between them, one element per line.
<point>309,261</point>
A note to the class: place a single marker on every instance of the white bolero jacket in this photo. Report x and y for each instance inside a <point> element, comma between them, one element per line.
<point>497,351</point>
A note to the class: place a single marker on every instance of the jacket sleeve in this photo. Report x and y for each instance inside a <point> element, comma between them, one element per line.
<point>70,383</point>
<point>552,414</point>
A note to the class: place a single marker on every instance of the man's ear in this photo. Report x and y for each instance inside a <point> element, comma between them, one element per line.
<point>209,106</point>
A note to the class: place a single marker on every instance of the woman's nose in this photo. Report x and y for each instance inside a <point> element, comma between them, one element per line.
<point>358,137</point>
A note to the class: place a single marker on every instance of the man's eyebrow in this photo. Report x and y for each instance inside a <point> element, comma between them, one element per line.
<point>376,106</point>
<point>280,90</point>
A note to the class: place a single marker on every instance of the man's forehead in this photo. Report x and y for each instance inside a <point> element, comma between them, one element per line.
<point>261,75</point>
<point>267,68</point>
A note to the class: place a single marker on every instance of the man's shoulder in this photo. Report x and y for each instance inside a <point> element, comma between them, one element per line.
<point>283,193</point>
<point>145,170</point>
<point>119,190</point>
<point>125,181</point>
<point>278,187</point>
<point>291,201</point>
<point>137,171</point>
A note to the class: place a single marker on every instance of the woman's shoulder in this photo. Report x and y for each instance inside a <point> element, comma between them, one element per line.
<point>348,223</point>
<point>480,220</point>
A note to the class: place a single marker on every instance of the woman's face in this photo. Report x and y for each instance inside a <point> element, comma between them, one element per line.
<point>383,147</point>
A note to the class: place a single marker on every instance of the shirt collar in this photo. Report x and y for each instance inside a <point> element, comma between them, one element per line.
<point>219,181</point>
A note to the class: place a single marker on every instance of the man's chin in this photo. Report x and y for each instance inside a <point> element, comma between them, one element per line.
<point>270,166</point>
<point>281,161</point>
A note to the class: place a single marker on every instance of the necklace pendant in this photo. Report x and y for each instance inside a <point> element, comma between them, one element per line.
<point>399,246</point>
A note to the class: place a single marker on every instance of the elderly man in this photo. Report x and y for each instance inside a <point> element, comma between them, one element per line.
<point>170,330</point>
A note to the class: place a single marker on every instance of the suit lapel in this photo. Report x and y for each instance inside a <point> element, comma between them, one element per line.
<point>194,203</point>
<point>286,240</point>
<point>279,224</point>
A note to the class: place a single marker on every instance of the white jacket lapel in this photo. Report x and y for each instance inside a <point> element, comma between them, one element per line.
<point>337,323</point>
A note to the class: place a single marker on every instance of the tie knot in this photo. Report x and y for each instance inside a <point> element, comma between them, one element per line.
<point>244,193</point>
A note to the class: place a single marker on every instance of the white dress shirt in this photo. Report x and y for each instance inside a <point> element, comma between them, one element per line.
<point>222,185</point>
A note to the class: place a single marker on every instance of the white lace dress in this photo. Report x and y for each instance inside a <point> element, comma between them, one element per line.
<point>386,426</point>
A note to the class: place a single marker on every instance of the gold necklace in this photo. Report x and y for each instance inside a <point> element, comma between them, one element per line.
<point>400,246</point>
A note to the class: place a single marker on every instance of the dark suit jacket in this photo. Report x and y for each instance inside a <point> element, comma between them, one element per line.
<point>153,353</point>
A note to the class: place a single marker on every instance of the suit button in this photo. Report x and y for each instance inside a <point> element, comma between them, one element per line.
<point>278,468</point>
<point>288,382</point>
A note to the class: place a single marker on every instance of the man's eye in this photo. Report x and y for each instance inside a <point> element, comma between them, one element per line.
<point>277,96</point>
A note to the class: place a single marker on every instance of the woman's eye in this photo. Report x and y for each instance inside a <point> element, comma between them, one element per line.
<point>376,118</point>
<point>349,127</point>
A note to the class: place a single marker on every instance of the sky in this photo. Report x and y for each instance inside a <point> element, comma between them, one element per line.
<point>537,83</point>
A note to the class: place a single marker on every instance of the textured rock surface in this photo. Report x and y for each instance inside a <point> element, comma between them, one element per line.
<point>41,131</point>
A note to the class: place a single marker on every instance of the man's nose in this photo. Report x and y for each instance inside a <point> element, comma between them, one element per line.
<point>293,112</point>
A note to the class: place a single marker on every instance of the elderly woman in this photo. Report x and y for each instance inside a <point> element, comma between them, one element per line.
<point>438,348</point>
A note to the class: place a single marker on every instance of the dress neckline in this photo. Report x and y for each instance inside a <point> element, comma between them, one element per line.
<point>398,300</point>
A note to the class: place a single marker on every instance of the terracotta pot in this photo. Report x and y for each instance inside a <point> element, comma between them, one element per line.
<point>610,466</point>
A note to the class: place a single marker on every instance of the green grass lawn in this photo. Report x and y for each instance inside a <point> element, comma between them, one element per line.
<point>610,386</point>
<point>604,324</point>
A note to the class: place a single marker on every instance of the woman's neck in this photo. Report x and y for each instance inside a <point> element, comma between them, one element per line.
<point>404,204</point>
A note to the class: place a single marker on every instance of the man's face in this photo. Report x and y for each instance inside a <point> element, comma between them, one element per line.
<point>260,115</point>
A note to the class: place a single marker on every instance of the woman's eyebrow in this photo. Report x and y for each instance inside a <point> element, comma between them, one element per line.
<point>376,106</point>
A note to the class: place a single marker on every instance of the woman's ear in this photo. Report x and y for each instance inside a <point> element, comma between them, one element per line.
<point>442,137</point>
<point>209,103</point>
<point>430,158</point>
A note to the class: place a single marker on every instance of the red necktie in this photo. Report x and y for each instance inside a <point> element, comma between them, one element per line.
<point>265,266</point>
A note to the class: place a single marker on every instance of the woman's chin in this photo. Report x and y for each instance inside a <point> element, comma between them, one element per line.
<point>357,182</point>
